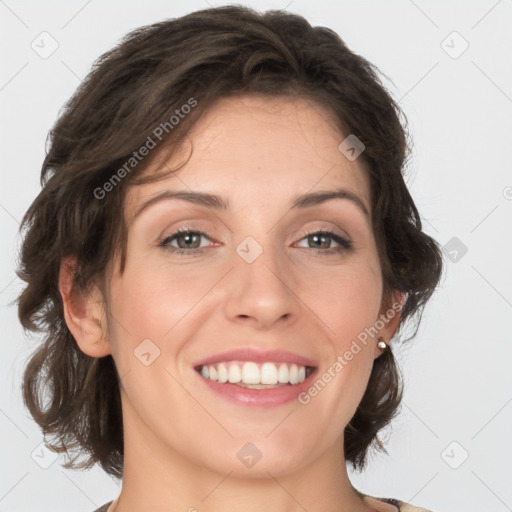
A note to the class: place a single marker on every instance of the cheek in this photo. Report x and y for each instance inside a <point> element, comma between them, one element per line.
<point>158,303</point>
<point>151,299</point>
<point>346,299</point>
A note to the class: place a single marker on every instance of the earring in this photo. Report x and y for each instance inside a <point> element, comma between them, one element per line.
<point>382,344</point>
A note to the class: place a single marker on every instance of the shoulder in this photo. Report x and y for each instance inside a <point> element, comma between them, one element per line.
<point>403,507</point>
<point>399,506</point>
<point>104,508</point>
<point>407,507</point>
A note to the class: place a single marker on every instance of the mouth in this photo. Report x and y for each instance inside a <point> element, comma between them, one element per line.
<point>251,377</point>
<point>254,374</point>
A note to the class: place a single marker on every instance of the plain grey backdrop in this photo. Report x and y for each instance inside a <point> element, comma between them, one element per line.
<point>450,66</point>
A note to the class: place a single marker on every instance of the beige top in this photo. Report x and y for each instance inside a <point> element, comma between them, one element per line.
<point>377,503</point>
<point>384,506</point>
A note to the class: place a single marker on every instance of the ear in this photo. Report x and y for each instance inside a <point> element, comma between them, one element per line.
<point>83,312</point>
<point>389,315</point>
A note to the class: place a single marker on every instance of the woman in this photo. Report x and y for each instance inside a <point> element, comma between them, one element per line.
<point>222,251</point>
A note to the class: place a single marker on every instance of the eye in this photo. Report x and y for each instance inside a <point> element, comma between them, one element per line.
<point>185,241</point>
<point>324,239</point>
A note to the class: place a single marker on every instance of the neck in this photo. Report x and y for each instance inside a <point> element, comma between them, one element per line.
<point>159,479</point>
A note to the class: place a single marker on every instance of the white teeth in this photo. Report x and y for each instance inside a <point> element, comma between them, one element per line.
<point>223,373</point>
<point>294,374</point>
<point>268,374</point>
<point>213,373</point>
<point>234,373</point>
<point>284,374</point>
<point>253,374</point>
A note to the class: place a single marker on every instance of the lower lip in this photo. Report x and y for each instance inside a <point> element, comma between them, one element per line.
<point>258,397</point>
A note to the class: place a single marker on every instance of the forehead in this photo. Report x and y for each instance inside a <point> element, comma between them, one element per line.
<point>251,147</point>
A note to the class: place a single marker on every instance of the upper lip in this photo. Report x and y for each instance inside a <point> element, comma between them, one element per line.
<point>258,356</point>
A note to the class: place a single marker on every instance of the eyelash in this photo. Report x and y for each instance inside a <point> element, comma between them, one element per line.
<point>164,243</point>
<point>344,244</point>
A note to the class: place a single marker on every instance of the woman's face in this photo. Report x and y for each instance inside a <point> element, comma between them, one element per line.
<point>252,272</point>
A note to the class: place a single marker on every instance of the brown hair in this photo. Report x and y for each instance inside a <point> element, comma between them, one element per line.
<point>131,91</point>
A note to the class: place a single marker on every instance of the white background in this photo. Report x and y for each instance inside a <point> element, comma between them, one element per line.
<point>457,370</point>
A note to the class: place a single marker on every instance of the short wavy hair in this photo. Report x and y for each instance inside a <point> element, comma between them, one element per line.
<point>143,81</point>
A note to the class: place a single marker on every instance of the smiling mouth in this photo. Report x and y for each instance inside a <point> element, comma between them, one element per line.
<point>253,375</point>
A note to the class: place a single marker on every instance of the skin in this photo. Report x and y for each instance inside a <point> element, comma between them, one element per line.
<point>181,439</point>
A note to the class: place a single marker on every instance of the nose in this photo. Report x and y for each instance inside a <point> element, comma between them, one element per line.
<point>261,293</point>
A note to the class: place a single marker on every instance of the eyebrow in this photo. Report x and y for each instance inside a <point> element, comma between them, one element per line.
<point>201,198</point>
<point>216,202</point>
<point>314,198</point>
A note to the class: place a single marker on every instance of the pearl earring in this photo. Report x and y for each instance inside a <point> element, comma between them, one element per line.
<point>382,344</point>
